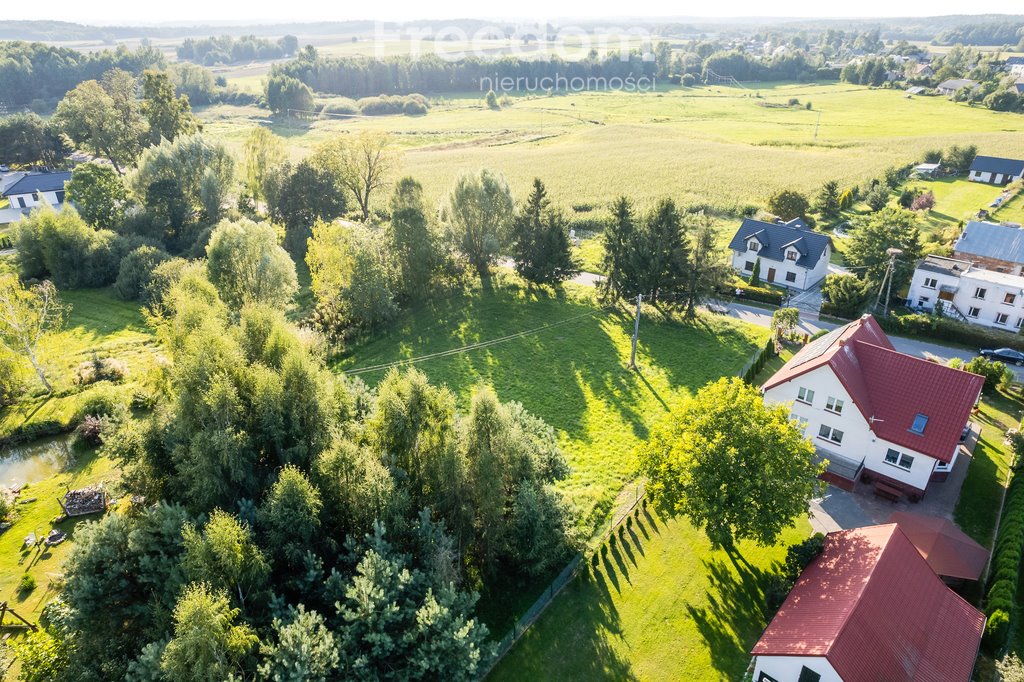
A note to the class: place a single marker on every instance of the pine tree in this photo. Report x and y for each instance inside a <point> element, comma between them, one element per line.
<point>540,242</point>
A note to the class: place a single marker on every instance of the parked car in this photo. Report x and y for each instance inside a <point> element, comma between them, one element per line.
<point>1007,355</point>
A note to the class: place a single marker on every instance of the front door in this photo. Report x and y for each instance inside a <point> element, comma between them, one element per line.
<point>771,274</point>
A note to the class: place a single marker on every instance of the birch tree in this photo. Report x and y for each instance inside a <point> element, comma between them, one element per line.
<point>27,314</point>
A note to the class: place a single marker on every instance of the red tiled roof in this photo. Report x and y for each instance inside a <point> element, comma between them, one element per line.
<point>891,388</point>
<point>874,609</point>
<point>947,549</point>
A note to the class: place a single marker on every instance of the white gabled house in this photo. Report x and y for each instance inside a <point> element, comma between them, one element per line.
<point>34,188</point>
<point>791,254</point>
<point>995,170</point>
<point>877,415</point>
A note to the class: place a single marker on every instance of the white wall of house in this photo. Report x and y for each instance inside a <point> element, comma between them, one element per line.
<point>992,178</point>
<point>858,442</point>
<point>29,200</point>
<point>788,668</point>
<point>986,300</point>
<point>787,273</point>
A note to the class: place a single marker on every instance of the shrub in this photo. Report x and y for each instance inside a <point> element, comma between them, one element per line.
<point>414,108</point>
<point>996,630</point>
<point>64,248</point>
<point>136,272</point>
<point>492,100</point>
<point>103,401</point>
<point>27,583</point>
<point>754,293</point>
<point>947,329</point>
<point>688,80</point>
<point>11,379</point>
<point>995,373</point>
<point>100,369</point>
<point>90,431</point>
<point>340,107</point>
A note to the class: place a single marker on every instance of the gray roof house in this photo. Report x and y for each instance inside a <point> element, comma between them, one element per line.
<point>991,246</point>
<point>996,170</point>
<point>954,85</point>
<point>791,254</point>
<point>31,190</point>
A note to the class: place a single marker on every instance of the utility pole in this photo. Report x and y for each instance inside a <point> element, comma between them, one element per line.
<point>886,284</point>
<point>636,332</point>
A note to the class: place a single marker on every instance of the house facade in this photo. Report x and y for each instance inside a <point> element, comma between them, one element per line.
<point>992,247</point>
<point>1015,65</point>
<point>995,170</point>
<point>791,255</point>
<point>969,293</point>
<point>869,608</point>
<point>874,414</point>
<point>34,188</point>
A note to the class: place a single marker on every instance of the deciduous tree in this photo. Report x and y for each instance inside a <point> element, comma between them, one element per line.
<point>99,194</point>
<point>889,228</point>
<point>415,247</point>
<point>27,315</point>
<point>246,264</point>
<point>168,114</point>
<point>734,466</point>
<point>264,155</point>
<point>789,204</point>
<point>478,212</point>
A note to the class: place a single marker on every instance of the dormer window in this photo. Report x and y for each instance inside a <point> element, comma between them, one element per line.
<point>920,421</point>
<point>753,245</point>
<point>791,254</point>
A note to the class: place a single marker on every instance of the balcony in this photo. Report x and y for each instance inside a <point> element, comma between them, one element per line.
<point>840,465</point>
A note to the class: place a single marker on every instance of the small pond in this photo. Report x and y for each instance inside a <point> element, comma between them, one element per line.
<point>35,461</point>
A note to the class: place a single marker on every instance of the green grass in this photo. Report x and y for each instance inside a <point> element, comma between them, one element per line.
<point>574,376</point>
<point>590,253</point>
<point>661,606</point>
<point>980,496</point>
<point>36,516</point>
<point>100,323</point>
<point>716,146</point>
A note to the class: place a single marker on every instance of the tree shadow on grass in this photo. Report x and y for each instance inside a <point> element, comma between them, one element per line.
<point>735,614</point>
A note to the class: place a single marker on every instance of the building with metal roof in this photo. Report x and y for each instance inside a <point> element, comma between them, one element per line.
<point>996,170</point>
<point>991,246</point>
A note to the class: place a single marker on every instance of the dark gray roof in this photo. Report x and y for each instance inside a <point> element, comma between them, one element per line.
<point>39,182</point>
<point>956,84</point>
<point>774,239</point>
<point>943,265</point>
<point>995,164</point>
<point>1015,59</point>
<point>991,241</point>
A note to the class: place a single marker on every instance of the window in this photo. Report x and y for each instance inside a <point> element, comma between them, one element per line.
<point>979,293</point>
<point>791,254</point>
<point>765,677</point>
<point>930,282</point>
<point>808,675</point>
<point>790,276</point>
<point>830,434</point>
<point>1019,322</point>
<point>749,266</point>
<point>834,405</point>
<point>805,395</point>
<point>753,245</point>
<point>973,312</point>
<point>898,459</point>
<point>60,196</point>
<point>801,424</point>
<point>1010,299</point>
<point>920,421</point>
<point>1002,318</point>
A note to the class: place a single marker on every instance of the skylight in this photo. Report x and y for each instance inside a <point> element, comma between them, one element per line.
<point>920,421</point>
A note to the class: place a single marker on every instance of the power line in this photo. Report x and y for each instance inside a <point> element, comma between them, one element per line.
<point>474,346</point>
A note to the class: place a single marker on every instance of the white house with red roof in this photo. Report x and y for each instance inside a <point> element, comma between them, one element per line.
<point>874,413</point>
<point>869,608</point>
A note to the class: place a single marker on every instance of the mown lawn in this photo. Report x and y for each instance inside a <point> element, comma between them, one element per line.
<point>98,322</point>
<point>661,606</point>
<point>574,375</point>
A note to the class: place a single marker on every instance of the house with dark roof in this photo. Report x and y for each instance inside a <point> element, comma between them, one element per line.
<point>991,246</point>
<point>883,418</point>
<point>867,609</point>
<point>791,255</point>
<point>1015,65</point>
<point>34,188</point>
<point>995,170</point>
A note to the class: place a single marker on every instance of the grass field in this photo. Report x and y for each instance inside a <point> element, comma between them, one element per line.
<point>662,605</point>
<point>574,376</point>
<point>99,323</point>
<point>716,146</point>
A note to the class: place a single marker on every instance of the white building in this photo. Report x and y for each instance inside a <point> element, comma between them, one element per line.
<point>791,255</point>
<point>968,293</point>
<point>34,188</point>
<point>875,414</point>
<point>995,170</point>
<point>868,609</point>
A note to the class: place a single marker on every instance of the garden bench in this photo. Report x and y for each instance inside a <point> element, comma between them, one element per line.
<point>889,492</point>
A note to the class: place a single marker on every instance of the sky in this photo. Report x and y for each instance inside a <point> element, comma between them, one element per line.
<point>133,12</point>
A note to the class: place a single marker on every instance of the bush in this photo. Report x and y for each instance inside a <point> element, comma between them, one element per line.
<point>90,431</point>
<point>391,104</point>
<point>950,330</point>
<point>995,373</point>
<point>103,401</point>
<point>27,583</point>
<point>341,107</point>
<point>136,272</point>
<point>64,248</point>
<point>754,293</point>
<point>11,383</point>
<point>688,80</point>
<point>996,630</point>
<point>100,369</point>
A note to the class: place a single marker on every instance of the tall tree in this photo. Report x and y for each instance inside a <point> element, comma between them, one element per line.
<point>663,253</point>
<point>363,164</point>
<point>101,124</point>
<point>99,194</point>
<point>246,265</point>
<point>27,315</point>
<point>299,196</point>
<point>168,114</point>
<point>303,649</point>
<point>891,227</point>
<point>827,201</point>
<point>734,466</point>
<point>224,555</point>
<point>540,241</point>
<point>207,644</point>
<point>414,246</point>
<point>789,204</point>
<point>28,140</point>
<point>620,240</point>
<point>478,212</point>
<point>264,154</point>
<point>706,269</point>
